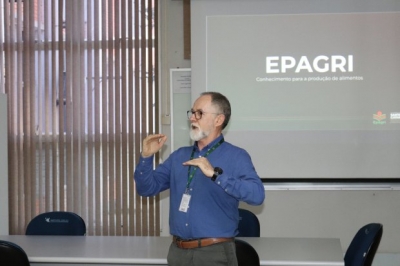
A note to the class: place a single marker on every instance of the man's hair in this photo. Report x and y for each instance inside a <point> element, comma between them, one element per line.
<point>222,103</point>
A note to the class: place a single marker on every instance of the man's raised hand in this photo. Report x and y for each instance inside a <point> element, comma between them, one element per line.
<point>152,144</point>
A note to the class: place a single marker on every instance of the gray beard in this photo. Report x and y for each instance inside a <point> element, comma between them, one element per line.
<point>196,136</point>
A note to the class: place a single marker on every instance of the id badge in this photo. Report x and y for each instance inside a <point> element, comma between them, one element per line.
<point>184,202</point>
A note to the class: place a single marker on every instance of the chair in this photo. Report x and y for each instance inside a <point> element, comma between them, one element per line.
<point>249,225</point>
<point>362,249</point>
<point>56,223</point>
<point>12,255</point>
<point>246,254</point>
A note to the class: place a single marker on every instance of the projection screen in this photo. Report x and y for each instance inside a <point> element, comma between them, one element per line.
<point>315,90</point>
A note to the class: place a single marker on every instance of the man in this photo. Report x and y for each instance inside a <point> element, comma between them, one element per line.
<point>206,182</point>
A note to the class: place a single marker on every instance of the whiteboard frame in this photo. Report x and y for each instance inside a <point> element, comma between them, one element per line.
<point>4,226</point>
<point>177,92</point>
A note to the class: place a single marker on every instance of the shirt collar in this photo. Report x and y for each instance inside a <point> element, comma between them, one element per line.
<point>206,148</point>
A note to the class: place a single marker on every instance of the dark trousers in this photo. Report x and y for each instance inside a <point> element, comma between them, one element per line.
<point>221,254</point>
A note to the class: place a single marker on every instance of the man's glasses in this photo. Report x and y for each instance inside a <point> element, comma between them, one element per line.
<point>198,114</point>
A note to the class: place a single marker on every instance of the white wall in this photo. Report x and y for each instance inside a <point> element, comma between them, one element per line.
<point>299,212</point>
<point>3,166</point>
<point>330,213</point>
<point>333,213</point>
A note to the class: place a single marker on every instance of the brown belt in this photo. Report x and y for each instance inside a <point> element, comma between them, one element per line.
<point>197,243</point>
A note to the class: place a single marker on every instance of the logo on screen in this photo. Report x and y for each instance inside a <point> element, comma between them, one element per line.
<point>395,117</point>
<point>379,118</point>
<point>320,64</point>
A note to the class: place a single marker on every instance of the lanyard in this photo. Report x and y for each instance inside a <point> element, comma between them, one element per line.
<point>191,173</point>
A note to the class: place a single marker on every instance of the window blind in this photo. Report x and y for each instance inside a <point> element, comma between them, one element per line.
<point>81,82</point>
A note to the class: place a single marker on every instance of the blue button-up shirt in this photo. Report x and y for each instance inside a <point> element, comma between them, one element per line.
<point>213,207</point>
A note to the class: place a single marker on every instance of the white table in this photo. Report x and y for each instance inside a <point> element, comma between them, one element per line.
<point>119,250</point>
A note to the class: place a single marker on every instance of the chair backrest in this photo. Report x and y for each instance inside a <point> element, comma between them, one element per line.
<point>56,223</point>
<point>362,249</point>
<point>12,255</point>
<point>246,254</point>
<point>249,225</point>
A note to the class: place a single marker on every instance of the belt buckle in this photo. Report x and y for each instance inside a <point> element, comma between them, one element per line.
<point>178,242</point>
